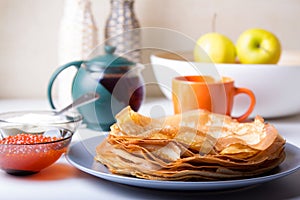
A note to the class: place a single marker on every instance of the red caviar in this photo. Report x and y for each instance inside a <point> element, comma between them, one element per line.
<point>24,154</point>
<point>27,139</point>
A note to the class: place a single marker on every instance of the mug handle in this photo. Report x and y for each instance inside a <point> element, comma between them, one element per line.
<point>252,102</point>
<point>76,64</point>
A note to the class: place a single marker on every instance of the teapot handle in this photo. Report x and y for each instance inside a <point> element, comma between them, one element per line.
<point>76,64</point>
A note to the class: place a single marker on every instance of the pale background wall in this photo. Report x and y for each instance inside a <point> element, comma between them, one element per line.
<point>29,31</point>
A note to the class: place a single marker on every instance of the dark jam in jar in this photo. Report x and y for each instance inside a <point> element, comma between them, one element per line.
<point>126,89</point>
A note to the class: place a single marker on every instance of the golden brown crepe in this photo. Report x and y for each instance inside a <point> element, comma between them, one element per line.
<point>196,145</point>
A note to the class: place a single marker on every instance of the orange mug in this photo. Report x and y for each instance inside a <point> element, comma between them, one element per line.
<point>203,92</point>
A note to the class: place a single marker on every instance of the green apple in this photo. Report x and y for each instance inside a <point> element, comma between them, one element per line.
<point>214,47</point>
<point>258,46</point>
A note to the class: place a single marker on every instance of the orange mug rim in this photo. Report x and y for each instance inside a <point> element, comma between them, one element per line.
<point>188,79</point>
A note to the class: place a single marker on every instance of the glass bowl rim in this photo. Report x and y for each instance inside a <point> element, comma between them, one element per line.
<point>69,136</point>
<point>77,118</point>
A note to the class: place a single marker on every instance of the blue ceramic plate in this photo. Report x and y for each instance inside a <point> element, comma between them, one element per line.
<point>81,155</point>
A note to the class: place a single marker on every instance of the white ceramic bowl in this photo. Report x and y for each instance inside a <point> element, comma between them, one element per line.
<point>275,86</point>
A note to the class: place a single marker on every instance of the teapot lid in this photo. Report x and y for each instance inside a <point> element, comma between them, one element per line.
<point>108,60</point>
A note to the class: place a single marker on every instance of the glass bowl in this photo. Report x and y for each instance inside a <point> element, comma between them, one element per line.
<point>34,119</point>
<point>33,140</point>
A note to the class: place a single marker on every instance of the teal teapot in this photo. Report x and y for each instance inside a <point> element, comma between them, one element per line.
<point>116,80</point>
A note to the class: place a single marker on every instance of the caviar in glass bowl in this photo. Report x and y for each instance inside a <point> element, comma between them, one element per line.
<point>28,145</point>
<point>29,153</point>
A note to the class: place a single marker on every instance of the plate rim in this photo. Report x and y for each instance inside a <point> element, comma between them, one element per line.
<point>172,185</point>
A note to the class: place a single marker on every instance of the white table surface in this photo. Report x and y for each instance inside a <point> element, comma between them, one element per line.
<point>63,181</point>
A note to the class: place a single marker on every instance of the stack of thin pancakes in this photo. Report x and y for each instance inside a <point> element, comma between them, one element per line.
<point>196,145</point>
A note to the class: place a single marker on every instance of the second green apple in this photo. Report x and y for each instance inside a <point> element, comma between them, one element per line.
<point>258,46</point>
